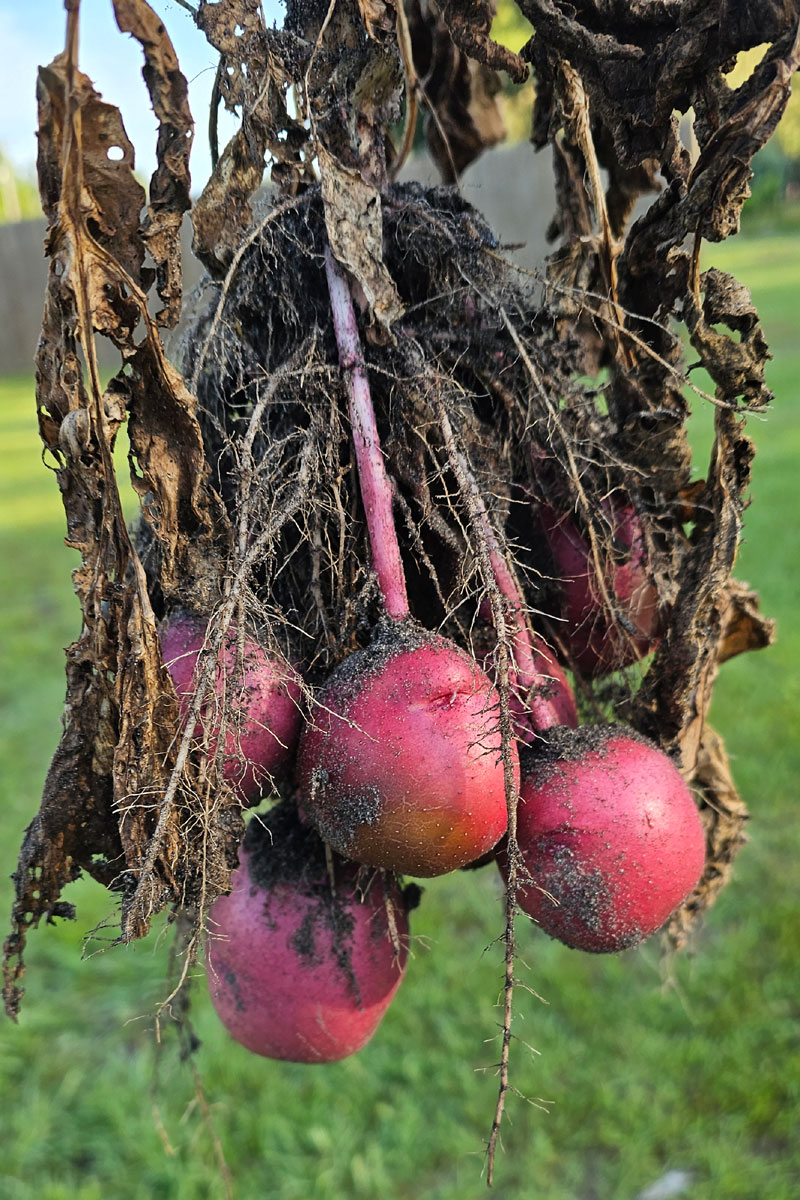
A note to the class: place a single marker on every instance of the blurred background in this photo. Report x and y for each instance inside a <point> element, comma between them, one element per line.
<point>648,1078</point>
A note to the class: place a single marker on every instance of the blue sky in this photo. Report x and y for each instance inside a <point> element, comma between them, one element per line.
<point>32,32</point>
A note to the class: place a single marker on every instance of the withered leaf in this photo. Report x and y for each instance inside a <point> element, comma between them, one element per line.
<point>114,195</point>
<point>222,214</point>
<point>724,816</point>
<point>744,628</point>
<point>252,78</point>
<point>672,703</point>
<point>638,73</point>
<point>100,806</point>
<point>186,515</point>
<point>378,16</point>
<point>353,219</point>
<point>169,187</point>
<point>466,117</point>
<point>470,24</point>
<point>737,367</point>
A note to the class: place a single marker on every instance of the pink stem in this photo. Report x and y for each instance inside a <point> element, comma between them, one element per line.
<point>530,663</point>
<point>376,490</point>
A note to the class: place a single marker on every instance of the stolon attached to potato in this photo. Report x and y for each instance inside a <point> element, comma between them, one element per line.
<point>424,567</point>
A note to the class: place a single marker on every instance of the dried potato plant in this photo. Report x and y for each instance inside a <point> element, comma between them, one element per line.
<point>480,373</point>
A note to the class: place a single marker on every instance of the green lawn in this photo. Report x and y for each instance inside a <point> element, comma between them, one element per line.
<point>703,1075</point>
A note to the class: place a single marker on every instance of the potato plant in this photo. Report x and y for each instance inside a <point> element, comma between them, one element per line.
<point>429,517</point>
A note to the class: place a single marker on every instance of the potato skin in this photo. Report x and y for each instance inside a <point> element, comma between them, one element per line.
<point>612,834</point>
<point>263,701</point>
<point>597,643</point>
<point>288,983</point>
<point>401,764</point>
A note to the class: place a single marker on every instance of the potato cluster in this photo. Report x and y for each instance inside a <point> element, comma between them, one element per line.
<point>396,768</point>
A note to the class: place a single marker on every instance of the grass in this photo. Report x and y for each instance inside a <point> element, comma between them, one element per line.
<point>702,1075</point>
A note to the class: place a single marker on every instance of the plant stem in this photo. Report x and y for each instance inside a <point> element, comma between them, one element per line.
<point>530,662</point>
<point>376,490</point>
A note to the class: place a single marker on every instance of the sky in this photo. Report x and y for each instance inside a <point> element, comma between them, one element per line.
<point>32,32</point>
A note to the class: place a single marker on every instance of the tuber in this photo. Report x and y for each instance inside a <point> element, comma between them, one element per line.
<point>301,965</point>
<point>401,766</point>
<point>610,837</point>
<point>601,633</point>
<point>261,696</point>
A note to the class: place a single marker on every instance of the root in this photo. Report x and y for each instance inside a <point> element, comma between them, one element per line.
<point>485,548</point>
<point>208,661</point>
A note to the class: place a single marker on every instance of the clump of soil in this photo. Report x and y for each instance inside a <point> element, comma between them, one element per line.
<point>281,850</point>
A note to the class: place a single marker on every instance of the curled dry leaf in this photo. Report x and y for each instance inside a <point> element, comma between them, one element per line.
<point>461,93</point>
<point>169,186</point>
<point>744,628</point>
<point>687,658</point>
<point>470,24</point>
<point>114,194</point>
<point>101,798</point>
<point>725,817</point>
<point>737,367</point>
<point>378,16</point>
<point>354,221</point>
<point>256,69</point>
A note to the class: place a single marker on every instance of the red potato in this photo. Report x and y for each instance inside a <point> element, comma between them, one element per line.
<point>596,641</point>
<point>296,971</point>
<point>609,829</point>
<point>401,767</point>
<point>263,701</point>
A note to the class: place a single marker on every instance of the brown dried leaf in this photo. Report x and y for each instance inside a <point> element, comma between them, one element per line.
<point>101,798</point>
<point>254,79</point>
<point>469,123</point>
<point>737,367</point>
<point>222,214</point>
<point>744,628</point>
<point>185,514</point>
<point>639,70</point>
<point>470,24</point>
<point>637,73</point>
<point>466,117</point>
<point>724,816</point>
<point>378,16</point>
<point>672,704</point>
<point>353,219</point>
<point>747,118</point>
<point>169,187</point>
<point>113,195</point>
